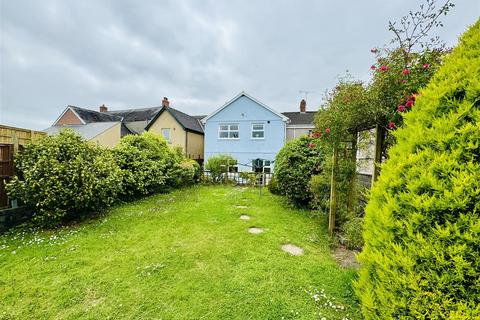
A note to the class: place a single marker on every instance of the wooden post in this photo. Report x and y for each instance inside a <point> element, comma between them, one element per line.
<point>351,186</point>
<point>333,191</point>
<point>379,140</point>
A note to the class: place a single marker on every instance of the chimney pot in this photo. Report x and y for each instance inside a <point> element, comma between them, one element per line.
<point>303,106</point>
<point>103,108</point>
<point>165,102</point>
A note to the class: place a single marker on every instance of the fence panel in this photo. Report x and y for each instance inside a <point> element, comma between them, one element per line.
<point>240,178</point>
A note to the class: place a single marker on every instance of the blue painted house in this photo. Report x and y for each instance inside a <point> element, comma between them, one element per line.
<point>246,129</point>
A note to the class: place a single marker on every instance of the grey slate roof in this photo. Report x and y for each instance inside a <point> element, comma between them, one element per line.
<point>140,114</point>
<point>188,122</point>
<point>87,131</point>
<point>300,118</point>
<point>129,115</point>
<point>90,116</point>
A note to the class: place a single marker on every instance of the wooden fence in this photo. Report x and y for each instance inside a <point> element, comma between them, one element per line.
<point>11,141</point>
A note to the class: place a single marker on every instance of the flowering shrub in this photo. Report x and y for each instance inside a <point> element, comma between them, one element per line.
<point>422,227</point>
<point>64,175</point>
<point>296,162</point>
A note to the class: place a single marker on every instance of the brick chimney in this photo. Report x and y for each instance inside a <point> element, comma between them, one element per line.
<point>165,102</point>
<point>303,106</point>
<point>103,108</point>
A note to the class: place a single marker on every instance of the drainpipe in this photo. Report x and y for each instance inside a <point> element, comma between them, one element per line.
<point>186,143</point>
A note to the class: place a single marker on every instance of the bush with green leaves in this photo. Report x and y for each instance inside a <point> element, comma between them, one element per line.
<point>148,164</point>
<point>273,186</point>
<point>188,172</point>
<point>421,258</point>
<point>295,164</point>
<point>219,165</point>
<point>64,175</point>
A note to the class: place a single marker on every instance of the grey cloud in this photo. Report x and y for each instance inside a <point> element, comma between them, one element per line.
<point>198,53</point>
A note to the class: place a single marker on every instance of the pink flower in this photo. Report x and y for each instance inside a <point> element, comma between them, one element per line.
<point>383,68</point>
<point>311,145</point>
<point>327,130</point>
<point>426,66</point>
<point>406,71</point>
<point>409,103</point>
<point>401,108</point>
<point>373,67</point>
<point>391,125</point>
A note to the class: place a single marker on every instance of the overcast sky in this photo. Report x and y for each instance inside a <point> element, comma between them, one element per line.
<point>197,53</point>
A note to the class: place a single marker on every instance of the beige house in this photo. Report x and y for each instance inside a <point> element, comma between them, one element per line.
<point>179,129</point>
<point>103,127</point>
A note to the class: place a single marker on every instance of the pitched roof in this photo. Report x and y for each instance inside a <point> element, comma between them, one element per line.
<point>299,118</point>
<point>140,114</point>
<point>87,131</point>
<point>188,122</point>
<point>89,116</point>
<point>243,93</point>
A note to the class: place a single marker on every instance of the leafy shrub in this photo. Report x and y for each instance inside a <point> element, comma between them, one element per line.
<point>218,165</point>
<point>296,162</point>
<point>422,226</point>
<point>353,232</point>
<point>273,186</point>
<point>148,164</point>
<point>188,173</point>
<point>64,175</point>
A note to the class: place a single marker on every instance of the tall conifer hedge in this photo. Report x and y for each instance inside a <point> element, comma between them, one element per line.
<point>421,258</point>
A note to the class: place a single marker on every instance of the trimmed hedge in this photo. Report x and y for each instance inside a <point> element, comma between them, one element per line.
<point>295,164</point>
<point>421,258</point>
<point>64,175</point>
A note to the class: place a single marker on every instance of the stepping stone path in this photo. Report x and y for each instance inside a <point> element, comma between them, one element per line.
<point>245,217</point>
<point>255,230</point>
<point>292,249</point>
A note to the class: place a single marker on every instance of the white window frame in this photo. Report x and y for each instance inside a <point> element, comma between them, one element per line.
<point>169,136</point>
<point>263,130</point>
<point>228,131</point>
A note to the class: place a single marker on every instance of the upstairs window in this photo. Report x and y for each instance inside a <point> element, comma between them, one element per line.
<point>258,131</point>
<point>166,134</point>
<point>228,131</point>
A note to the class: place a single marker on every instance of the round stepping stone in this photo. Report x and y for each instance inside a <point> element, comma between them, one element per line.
<point>241,207</point>
<point>245,217</point>
<point>255,230</point>
<point>292,249</point>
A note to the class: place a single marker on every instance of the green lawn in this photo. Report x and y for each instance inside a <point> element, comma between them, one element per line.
<point>182,255</point>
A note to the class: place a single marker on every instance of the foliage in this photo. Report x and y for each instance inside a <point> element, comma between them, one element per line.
<point>188,173</point>
<point>64,175</point>
<point>353,232</point>
<point>347,195</point>
<point>273,186</point>
<point>347,110</point>
<point>296,162</point>
<point>148,164</point>
<point>250,178</point>
<point>151,248</point>
<point>219,165</point>
<point>422,224</point>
